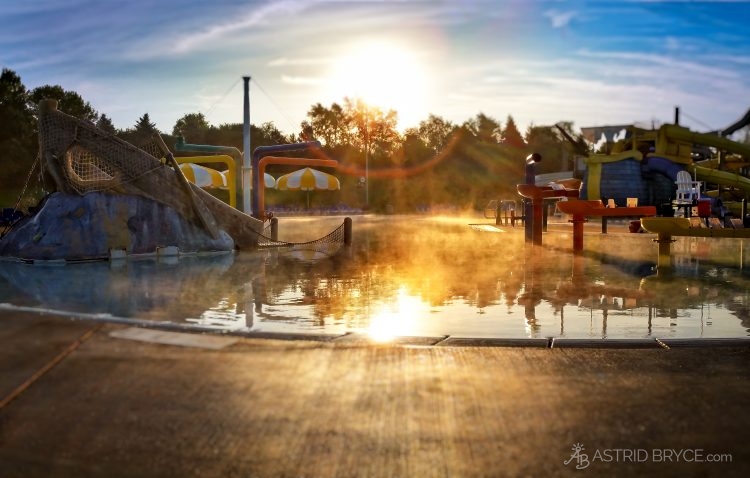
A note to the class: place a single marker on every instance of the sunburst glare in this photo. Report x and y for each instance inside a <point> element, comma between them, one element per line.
<point>383,74</point>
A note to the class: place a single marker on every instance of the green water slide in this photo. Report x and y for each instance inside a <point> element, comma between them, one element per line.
<point>726,179</point>
<point>711,175</point>
<point>678,133</point>
<point>722,178</point>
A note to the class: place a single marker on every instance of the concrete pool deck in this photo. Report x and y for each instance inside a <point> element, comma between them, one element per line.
<point>79,398</point>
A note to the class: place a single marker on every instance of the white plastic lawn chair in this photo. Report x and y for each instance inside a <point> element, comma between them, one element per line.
<point>688,191</point>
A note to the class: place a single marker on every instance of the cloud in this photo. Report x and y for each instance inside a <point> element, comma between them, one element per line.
<point>37,7</point>
<point>685,68</point>
<point>302,80</point>
<point>199,37</point>
<point>560,19</point>
<point>284,61</point>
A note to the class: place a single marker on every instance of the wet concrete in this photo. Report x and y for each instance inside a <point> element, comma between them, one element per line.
<point>77,401</point>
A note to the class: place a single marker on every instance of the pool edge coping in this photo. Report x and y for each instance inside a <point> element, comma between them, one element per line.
<point>356,338</point>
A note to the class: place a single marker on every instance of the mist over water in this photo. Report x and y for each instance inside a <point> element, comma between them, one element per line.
<point>416,276</point>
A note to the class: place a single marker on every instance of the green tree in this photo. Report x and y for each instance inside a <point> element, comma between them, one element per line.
<point>410,193</point>
<point>105,123</point>
<point>511,136</point>
<point>141,133</point>
<point>436,133</point>
<point>193,127</point>
<point>231,134</point>
<point>307,133</point>
<point>268,134</point>
<point>17,135</point>
<point>331,126</point>
<point>226,134</point>
<point>375,130</point>
<point>545,140</point>
<point>15,115</point>
<point>558,145</point>
<point>69,102</point>
<point>577,143</point>
<point>485,129</point>
<point>145,126</point>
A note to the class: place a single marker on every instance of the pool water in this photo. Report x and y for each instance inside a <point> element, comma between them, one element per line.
<point>414,276</point>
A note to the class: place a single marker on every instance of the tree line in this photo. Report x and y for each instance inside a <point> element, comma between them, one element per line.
<point>435,164</point>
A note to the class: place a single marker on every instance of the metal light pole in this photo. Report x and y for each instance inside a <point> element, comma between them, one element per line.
<point>246,163</point>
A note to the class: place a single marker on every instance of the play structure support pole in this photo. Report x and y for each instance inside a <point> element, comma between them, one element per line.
<point>246,169</point>
<point>664,241</point>
<point>532,212</point>
<point>537,208</point>
<point>578,222</point>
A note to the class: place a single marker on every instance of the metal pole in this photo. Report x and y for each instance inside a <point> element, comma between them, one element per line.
<point>348,231</point>
<point>246,167</point>
<point>275,228</point>
<point>529,215</point>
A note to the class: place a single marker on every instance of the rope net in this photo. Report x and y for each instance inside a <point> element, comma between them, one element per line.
<point>327,245</point>
<point>92,159</point>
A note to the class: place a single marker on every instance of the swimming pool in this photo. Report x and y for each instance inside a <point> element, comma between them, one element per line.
<point>413,276</point>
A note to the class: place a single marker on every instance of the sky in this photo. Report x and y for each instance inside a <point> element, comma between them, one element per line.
<point>541,61</point>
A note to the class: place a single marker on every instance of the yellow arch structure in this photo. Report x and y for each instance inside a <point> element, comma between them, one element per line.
<point>231,171</point>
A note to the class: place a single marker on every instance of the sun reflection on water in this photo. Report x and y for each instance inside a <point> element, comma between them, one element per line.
<point>398,318</point>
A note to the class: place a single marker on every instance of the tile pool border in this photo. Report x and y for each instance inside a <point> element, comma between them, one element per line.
<point>354,338</point>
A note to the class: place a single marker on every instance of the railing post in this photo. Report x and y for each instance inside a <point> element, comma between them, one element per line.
<point>275,228</point>
<point>348,231</point>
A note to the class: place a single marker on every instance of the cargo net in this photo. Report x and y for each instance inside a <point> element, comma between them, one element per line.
<point>326,246</point>
<point>91,159</point>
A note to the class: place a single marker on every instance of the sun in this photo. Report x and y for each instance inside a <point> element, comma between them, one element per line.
<point>384,74</point>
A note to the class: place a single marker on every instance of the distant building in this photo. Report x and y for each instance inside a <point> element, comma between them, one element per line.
<point>600,135</point>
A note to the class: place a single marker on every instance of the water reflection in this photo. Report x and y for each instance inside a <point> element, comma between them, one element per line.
<point>418,276</point>
<point>150,289</point>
